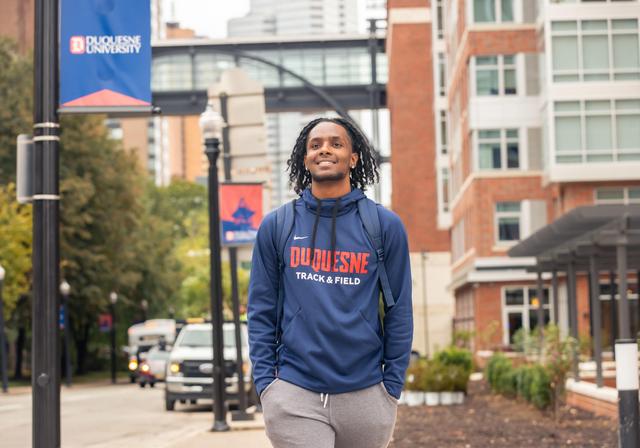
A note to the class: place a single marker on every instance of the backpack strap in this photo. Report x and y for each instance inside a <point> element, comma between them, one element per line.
<point>284,225</point>
<point>371,220</point>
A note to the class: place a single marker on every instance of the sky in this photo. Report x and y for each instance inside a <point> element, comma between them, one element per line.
<point>209,17</point>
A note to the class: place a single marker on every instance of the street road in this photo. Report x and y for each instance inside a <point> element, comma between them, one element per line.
<point>119,416</point>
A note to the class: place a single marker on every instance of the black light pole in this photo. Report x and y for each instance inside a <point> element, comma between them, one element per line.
<point>45,378</point>
<point>241,414</point>
<point>113,299</point>
<point>3,353</point>
<point>65,289</point>
<point>211,124</point>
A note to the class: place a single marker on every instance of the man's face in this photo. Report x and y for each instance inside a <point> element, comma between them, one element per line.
<point>329,155</point>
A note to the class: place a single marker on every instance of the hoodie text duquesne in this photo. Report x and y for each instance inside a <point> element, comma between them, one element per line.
<point>345,262</point>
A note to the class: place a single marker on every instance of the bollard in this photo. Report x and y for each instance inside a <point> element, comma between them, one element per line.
<point>627,384</point>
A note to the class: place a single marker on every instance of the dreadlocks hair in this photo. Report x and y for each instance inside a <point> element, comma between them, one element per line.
<point>365,172</point>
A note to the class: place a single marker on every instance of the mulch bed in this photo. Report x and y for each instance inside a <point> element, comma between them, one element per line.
<point>490,420</point>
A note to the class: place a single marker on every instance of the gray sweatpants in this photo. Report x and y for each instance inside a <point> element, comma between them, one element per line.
<point>298,418</point>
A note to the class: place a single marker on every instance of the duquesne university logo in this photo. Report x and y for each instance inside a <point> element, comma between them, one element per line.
<point>77,45</point>
<point>119,44</point>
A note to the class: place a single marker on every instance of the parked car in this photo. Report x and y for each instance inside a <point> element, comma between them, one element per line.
<point>153,368</point>
<point>143,336</point>
<point>189,373</point>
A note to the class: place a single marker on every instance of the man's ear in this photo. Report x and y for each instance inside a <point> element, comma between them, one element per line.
<point>354,159</point>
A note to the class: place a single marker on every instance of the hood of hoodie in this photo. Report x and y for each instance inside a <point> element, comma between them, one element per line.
<point>326,206</point>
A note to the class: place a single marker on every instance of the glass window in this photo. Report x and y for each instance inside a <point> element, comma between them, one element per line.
<point>445,189</point>
<point>498,149</point>
<point>624,195</point>
<point>514,296</point>
<point>520,310</point>
<point>443,132</point>
<point>593,131</point>
<point>496,75</point>
<point>609,194</point>
<point>508,221</point>
<point>609,50</point>
<point>484,11</point>
<point>492,11</point>
<point>507,10</point>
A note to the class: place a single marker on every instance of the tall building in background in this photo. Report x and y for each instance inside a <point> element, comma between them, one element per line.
<point>299,17</point>
<point>303,18</point>
<point>529,110</point>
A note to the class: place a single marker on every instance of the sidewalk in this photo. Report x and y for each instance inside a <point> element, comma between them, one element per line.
<point>242,435</point>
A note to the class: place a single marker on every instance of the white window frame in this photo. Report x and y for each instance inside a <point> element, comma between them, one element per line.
<point>613,114</point>
<point>525,308</point>
<point>626,200</point>
<point>497,215</point>
<point>580,72</point>
<point>503,140</point>
<point>501,67</point>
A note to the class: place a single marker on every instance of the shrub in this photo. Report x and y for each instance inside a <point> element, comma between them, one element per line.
<point>414,380</point>
<point>453,355</point>
<point>433,377</point>
<point>530,382</point>
<point>539,387</point>
<point>497,367</point>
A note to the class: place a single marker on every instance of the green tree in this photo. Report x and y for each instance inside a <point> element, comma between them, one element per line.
<point>15,97</point>
<point>193,253</point>
<point>15,244</point>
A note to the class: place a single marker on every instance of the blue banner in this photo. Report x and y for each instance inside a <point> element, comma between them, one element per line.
<point>105,55</point>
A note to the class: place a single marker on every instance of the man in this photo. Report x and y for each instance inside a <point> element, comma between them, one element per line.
<point>327,370</point>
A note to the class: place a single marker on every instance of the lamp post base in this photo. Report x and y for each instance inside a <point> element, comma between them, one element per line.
<point>220,426</point>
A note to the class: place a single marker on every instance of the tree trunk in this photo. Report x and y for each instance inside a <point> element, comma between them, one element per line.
<point>22,336</point>
<point>82,342</point>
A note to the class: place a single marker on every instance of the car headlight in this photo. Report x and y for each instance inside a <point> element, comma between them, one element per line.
<point>144,368</point>
<point>133,365</point>
<point>174,367</point>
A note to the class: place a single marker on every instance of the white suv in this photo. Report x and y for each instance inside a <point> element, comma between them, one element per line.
<point>189,369</point>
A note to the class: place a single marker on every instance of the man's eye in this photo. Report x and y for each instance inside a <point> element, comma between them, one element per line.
<point>337,144</point>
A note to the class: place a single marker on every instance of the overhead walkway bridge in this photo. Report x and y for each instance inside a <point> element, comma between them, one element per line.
<point>324,73</point>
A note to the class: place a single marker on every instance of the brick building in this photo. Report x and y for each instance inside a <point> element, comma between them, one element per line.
<point>506,115</point>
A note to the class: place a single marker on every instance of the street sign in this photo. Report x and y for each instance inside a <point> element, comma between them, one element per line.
<point>105,56</point>
<point>240,212</point>
<point>104,322</point>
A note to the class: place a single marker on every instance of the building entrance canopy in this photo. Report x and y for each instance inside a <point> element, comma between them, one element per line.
<point>596,229</point>
<point>592,239</point>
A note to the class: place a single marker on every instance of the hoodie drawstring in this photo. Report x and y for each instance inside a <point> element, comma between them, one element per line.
<point>324,399</point>
<point>333,232</point>
<point>315,230</point>
<point>334,214</point>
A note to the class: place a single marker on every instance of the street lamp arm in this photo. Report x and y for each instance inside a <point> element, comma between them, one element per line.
<point>332,102</point>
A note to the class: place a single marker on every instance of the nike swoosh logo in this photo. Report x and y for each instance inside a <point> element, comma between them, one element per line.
<point>299,237</point>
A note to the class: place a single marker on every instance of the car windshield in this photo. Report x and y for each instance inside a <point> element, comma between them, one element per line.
<point>196,338</point>
<point>202,338</point>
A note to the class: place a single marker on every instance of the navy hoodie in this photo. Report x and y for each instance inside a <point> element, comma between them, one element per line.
<point>332,339</point>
